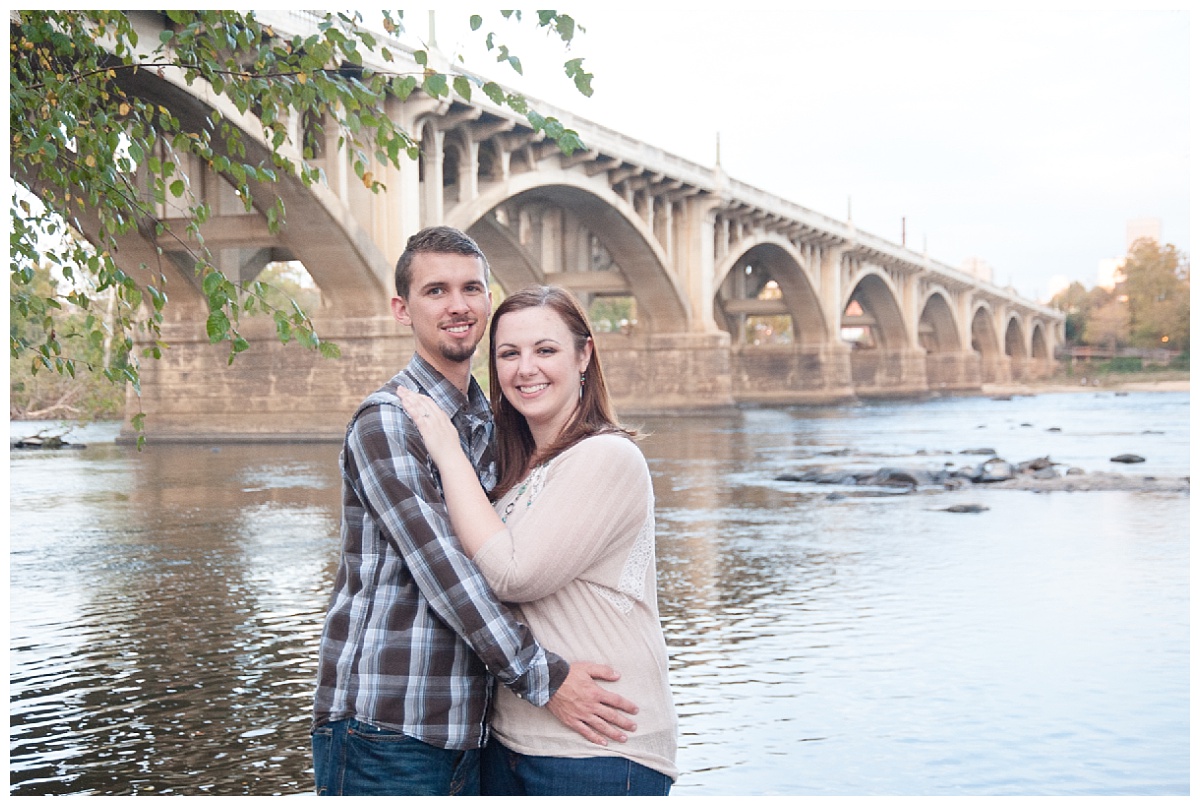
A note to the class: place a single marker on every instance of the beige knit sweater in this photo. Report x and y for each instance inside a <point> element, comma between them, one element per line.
<point>577,561</point>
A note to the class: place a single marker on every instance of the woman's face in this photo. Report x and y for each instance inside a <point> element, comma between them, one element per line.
<point>538,368</point>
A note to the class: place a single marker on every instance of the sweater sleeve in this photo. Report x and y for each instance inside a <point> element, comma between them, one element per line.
<point>582,524</point>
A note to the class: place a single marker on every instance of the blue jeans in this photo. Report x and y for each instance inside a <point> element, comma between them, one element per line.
<point>504,772</point>
<point>354,758</point>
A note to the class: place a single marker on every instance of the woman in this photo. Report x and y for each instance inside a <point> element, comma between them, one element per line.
<point>569,541</point>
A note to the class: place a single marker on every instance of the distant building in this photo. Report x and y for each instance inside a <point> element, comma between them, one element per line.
<point>1108,273</point>
<point>978,268</point>
<point>1140,228</point>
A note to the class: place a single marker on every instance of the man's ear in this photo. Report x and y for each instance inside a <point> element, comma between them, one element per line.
<point>400,311</point>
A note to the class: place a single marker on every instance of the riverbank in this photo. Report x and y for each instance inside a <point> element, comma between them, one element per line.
<point>1145,382</point>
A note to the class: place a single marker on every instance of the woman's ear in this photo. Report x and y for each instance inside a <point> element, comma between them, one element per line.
<point>585,357</point>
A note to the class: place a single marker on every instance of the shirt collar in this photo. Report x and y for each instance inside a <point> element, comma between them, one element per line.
<point>446,394</point>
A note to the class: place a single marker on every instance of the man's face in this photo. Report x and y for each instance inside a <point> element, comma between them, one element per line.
<point>447,307</point>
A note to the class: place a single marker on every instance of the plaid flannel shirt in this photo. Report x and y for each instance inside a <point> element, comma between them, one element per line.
<point>413,630</point>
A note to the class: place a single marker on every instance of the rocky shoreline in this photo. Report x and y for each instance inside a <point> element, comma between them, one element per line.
<point>1036,475</point>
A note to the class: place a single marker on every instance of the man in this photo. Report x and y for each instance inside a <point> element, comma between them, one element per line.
<point>414,636</point>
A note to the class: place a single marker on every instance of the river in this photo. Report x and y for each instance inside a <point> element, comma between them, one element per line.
<point>165,606</point>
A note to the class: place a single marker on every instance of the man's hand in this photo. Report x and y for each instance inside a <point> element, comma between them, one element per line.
<point>589,710</point>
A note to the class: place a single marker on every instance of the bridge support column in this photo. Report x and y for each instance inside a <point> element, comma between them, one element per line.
<point>792,374</point>
<point>995,368</point>
<point>272,392</point>
<point>952,372</point>
<point>667,372</point>
<point>889,373</point>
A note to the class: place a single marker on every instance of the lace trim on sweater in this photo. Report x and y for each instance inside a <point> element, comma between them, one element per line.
<point>631,586</point>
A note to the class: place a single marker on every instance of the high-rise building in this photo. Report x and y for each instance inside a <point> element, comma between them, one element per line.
<point>978,268</point>
<point>1140,228</point>
<point>1108,273</point>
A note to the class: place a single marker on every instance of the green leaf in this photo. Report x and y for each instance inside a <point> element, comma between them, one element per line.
<point>569,142</point>
<point>435,86</point>
<point>217,326</point>
<point>462,86</point>
<point>493,90</point>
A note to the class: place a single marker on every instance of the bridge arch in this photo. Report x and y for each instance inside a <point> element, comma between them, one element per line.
<point>937,328</point>
<point>873,306</point>
<point>766,276</point>
<point>993,364</point>
<point>1014,338</point>
<point>983,333</point>
<point>948,366</point>
<point>554,254</point>
<point>337,251</point>
<point>1039,347</point>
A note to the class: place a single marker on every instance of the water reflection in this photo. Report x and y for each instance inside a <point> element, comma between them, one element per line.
<point>169,640</point>
<point>166,608</point>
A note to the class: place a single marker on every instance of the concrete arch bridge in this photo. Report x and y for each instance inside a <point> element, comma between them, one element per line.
<point>705,292</point>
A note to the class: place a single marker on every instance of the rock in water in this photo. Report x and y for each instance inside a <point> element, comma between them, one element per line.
<point>966,508</point>
<point>1128,459</point>
<point>996,470</point>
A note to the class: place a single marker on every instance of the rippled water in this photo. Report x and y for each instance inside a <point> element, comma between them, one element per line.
<point>165,608</point>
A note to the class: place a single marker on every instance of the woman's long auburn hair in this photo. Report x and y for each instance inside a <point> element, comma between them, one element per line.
<point>515,449</point>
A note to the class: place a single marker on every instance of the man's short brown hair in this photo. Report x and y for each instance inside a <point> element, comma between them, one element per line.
<point>434,240</point>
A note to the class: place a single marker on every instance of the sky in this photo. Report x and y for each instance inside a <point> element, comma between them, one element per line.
<point>1027,139</point>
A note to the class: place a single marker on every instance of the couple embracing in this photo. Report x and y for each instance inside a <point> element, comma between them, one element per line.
<point>493,566</point>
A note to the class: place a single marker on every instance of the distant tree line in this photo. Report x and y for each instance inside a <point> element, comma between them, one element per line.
<point>1149,306</point>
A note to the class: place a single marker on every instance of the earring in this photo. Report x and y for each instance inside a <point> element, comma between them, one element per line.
<point>582,381</point>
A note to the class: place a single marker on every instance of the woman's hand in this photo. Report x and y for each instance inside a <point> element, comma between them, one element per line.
<point>439,433</point>
<point>471,513</point>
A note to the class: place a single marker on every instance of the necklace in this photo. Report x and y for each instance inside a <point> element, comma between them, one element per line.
<point>535,474</point>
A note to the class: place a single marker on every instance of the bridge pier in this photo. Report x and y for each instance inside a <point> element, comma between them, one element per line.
<point>667,372</point>
<point>952,372</point>
<point>792,374</point>
<point>272,392</point>
<point>889,373</point>
<point>995,368</point>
